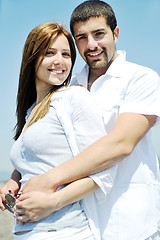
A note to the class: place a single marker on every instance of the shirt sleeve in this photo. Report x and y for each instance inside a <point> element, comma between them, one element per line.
<point>143,94</point>
<point>88,126</point>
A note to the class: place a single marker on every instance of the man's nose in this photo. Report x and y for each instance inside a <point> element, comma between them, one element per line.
<point>92,43</point>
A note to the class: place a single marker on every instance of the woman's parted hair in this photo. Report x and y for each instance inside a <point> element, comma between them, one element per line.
<point>36,45</point>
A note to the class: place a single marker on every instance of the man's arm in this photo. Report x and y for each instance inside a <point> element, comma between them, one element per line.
<point>28,209</point>
<point>129,129</point>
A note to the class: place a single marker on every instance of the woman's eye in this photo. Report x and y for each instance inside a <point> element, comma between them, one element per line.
<point>49,53</point>
<point>66,54</point>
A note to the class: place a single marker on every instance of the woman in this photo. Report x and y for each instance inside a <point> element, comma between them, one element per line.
<point>53,125</point>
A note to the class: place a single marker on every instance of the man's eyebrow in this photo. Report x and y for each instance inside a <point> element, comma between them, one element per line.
<point>81,34</point>
<point>94,31</point>
<point>99,29</point>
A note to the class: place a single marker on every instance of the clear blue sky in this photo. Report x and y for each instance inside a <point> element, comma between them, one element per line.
<point>139,36</point>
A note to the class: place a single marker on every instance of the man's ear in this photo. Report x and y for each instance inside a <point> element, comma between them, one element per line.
<point>116,34</point>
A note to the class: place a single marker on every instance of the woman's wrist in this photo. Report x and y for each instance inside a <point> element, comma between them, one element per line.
<point>55,201</point>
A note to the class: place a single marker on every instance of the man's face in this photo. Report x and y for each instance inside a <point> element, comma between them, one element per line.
<point>96,42</point>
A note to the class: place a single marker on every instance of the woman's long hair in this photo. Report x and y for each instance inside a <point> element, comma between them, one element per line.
<point>36,45</point>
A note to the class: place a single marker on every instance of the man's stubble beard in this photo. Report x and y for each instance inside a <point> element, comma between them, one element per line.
<point>98,63</point>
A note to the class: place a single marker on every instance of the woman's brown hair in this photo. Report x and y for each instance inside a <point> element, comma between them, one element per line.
<point>36,45</point>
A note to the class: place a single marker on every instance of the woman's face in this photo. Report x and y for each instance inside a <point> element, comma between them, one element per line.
<point>55,66</point>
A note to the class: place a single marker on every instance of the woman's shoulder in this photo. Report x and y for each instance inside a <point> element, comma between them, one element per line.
<point>74,88</point>
<point>71,91</point>
<point>74,95</point>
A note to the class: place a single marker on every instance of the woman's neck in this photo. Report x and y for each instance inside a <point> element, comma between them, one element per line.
<point>41,95</point>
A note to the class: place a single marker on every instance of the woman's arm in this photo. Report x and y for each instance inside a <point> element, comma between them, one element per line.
<point>31,210</point>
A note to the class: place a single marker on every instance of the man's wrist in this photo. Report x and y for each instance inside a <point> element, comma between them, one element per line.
<point>55,178</point>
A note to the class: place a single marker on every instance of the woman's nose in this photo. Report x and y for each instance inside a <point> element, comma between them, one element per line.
<point>58,58</point>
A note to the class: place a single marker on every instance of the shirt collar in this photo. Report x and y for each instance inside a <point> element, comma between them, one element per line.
<point>29,111</point>
<point>115,70</point>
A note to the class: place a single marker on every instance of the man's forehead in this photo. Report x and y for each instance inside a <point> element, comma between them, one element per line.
<point>90,25</point>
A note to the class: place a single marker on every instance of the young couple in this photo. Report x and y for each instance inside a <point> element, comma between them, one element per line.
<point>84,161</point>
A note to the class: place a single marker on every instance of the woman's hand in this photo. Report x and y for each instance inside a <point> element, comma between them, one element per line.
<point>2,198</point>
<point>34,206</point>
<point>10,187</point>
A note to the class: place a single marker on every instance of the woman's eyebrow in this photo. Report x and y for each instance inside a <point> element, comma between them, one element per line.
<point>64,49</point>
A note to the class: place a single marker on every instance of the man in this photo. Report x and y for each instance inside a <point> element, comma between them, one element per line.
<point>129,96</point>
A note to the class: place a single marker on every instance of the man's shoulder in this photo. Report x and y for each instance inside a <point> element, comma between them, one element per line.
<point>137,66</point>
<point>134,68</point>
<point>127,67</point>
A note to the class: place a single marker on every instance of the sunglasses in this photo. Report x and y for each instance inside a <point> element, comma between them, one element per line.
<point>10,201</point>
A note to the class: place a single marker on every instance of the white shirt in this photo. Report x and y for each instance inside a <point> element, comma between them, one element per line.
<point>37,151</point>
<point>131,210</point>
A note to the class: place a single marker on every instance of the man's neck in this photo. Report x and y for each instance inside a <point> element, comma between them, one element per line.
<point>94,74</point>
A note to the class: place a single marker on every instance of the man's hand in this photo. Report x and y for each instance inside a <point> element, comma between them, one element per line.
<point>34,206</point>
<point>41,183</point>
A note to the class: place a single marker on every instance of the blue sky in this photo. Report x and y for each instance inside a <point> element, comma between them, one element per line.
<point>139,36</point>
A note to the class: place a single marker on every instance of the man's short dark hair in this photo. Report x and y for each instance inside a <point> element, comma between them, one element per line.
<point>93,8</point>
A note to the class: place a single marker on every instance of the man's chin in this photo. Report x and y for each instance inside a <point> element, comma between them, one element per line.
<point>97,66</point>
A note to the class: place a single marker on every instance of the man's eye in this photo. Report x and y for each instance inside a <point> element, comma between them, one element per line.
<point>81,38</point>
<point>99,34</point>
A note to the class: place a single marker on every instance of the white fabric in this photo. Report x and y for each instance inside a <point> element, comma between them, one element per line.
<point>131,209</point>
<point>45,145</point>
<point>79,138</point>
<point>67,234</point>
<point>155,236</point>
<point>82,124</point>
